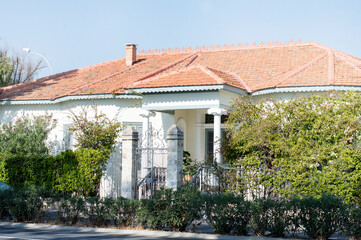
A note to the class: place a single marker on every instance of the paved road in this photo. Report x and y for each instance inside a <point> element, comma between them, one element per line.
<point>35,234</point>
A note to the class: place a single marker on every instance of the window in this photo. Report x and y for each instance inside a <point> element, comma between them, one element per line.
<point>136,125</point>
<point>67,136</point>
<point>209,140</point>
<point>209,118</point>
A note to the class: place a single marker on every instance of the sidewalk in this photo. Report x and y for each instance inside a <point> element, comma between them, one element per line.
<point>138,233</point>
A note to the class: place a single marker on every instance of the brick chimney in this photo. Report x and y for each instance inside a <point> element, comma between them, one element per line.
<point>130,54</point>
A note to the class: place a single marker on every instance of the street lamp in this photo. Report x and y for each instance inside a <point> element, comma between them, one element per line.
<point>28,51</point>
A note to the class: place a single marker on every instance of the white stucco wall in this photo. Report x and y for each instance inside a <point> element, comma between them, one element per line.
<point>124,110</point>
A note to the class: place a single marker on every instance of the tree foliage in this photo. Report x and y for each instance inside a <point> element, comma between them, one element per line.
<point>17,68</point>
<point>97,131</point>
<point>305,146</point>
<point>6,69</point>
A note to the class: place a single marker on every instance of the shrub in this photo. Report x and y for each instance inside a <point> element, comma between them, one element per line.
<point>185,207</point>
<point>124,212</point>
<point>98,132</point>
<point>278,218</point>
<point>26,204</point>
<point>173,209</point>
<point>320,217</point>
<point>259,219</point>
<point>300,147</point>
<point>33,170</point>
<point>26,136</point>
<point>71,209</point>
<point>5,200</point>
<point>81,170</point>
<point>228,213</point>
<point>150,213</point>
<point>99,211</point>
<point>352,224</point>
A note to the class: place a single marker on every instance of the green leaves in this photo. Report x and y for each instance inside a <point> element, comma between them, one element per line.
<point>97,132</point>
<point>6,69</point>
<point>26,135</point>
<point>81,171</point>
<point>303,146</point>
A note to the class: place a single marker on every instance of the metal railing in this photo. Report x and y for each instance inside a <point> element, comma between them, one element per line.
<point>153,180</point>
<point>224,179</point>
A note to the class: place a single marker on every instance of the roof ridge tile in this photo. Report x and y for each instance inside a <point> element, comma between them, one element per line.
<point>151,75</point>
<point>210,73</point>
<point>300,69</point>
<point>291,73</point>
<point>219,47</point>
<point>235,76</point>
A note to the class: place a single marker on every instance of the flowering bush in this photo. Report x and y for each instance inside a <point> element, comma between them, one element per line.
<point>27,135</point>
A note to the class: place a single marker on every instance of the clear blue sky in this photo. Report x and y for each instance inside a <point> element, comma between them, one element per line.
<point>77,33</point>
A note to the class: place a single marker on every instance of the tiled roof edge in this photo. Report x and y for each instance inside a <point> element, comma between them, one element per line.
<point>306,89</point>
<point>68,98</point>
<point>192,88</point>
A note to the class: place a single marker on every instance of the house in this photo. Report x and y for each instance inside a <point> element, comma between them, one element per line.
<point>189,87</point>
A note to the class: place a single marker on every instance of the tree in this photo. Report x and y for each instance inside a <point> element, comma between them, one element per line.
<point>305,146</point>
<point>97,132</point>
<point>17,69</point>
<point>6,69</point>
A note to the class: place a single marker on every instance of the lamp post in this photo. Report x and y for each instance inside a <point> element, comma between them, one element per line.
<point>28,51</point>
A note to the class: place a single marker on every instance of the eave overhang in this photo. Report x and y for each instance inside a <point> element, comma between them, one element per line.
<point>306,89</point>
<point>68,98</point>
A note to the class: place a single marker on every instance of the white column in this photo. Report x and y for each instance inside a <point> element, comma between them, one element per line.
<point>217,113</point>
<point>146,138</point>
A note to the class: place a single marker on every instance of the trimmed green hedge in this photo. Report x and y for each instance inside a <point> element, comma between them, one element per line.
<point>79,171</point>
<point>183,209</point>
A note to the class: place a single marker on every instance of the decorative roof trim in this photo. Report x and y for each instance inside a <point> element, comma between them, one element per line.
<point>306,89</point>
<point>187,89</point>
<point>222,47</point>
<point>68,98</point>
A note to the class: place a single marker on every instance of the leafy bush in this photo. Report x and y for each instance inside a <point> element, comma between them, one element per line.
<point>173,209</point>
<point>260,215</point>
<point>26,205</point>
<point>279,219</point>
<point>99,211</point>
<point>124,212</point>
<point>71,209</point>
<point>321,217</point>
<point>98,132</point>
<point>82,170</point>
<point>300,147</point>
<point>26,136</point>
<point>5,201</point>
<point>185,207</point>
<point>33,170</point>
<point>150,213</point>
<point>228,213</point>
<point>352,224</point>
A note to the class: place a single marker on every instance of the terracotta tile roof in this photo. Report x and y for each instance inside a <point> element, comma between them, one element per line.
<point>250,68</point>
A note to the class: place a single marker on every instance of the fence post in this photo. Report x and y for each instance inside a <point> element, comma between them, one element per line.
<point>174,157</point>
<point>129,163</point>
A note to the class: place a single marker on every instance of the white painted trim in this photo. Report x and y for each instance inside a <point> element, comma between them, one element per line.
<point>68,98</point>
<point>187,89</point>
<point>306,89</point>
<point>159,106</point>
